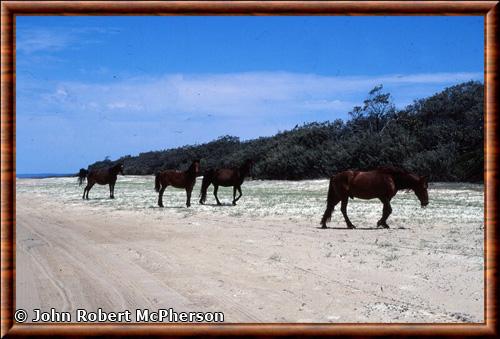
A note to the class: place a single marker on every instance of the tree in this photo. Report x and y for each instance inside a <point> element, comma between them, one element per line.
<point>441,135</point>
<point>375,112</point>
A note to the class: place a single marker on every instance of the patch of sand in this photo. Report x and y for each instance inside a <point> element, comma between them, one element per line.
<point>269,269</point>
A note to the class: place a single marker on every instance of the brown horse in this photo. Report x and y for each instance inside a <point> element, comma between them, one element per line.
<point>382,183</point>
<point>225,177</point>
<point>101,176</point>
<point>178,179</point>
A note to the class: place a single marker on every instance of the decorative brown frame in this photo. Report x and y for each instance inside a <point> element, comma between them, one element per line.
<point>11,9</point>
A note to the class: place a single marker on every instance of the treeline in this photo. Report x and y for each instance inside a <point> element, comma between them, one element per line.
<point>440,136</point>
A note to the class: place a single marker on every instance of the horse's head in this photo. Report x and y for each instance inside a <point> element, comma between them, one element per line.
<point>120,168</point>
<point>246,168</point>
<point>196,165</point>
<point>420,190</point>
<point>249,163</point>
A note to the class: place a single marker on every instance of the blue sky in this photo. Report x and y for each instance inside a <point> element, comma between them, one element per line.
<point>91,87</point>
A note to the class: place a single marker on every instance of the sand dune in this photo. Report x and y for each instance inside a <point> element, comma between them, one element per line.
<point>254,269</point>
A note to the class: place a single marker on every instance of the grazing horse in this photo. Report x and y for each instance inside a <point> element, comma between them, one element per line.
<point>101,176</point>
<point>382,183</point>
<point>179,179</point>
<point>225,177</point>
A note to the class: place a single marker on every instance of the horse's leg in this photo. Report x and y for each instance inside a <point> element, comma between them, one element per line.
<point>111,196</point>
<point>343,208</point>
<point>84,191</point>
<point>113,190</point>
<point>89,186</point>
<point>188,195</point>
<point>234,194</point>
<point>216,188</point>
<point>160,196</point>
<point>385,214</point>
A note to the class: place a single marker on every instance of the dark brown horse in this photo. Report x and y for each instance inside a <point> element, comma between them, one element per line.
<point>179,179</point>
<point>382,183</point>
<point>101,176</point>
<point>225,177</point>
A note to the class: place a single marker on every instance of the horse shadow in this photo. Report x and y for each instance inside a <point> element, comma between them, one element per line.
<point>361,228</point>
<point>168,207</point>
<point>221,205</point>
<point>100,199</point>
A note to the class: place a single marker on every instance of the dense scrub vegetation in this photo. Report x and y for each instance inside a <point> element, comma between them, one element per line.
<point>440,136</point>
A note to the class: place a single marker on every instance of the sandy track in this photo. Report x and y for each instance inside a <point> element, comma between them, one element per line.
<point>253,270</point>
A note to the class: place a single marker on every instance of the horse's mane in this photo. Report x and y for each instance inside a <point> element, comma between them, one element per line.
<point>403,178</point>
<point>192,166</point>
<point>115,167</point>
<point>246,165</point>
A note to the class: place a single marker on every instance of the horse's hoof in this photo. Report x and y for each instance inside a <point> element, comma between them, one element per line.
<point>382,224</point>
<point>351,227</point>
<point>323,226</point>
<point>234,204</point>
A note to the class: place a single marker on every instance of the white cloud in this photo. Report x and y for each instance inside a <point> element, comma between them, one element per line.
<point>124,105</point>
<point>251,94</point>
<point>35,40</point>
<point>29,41</point>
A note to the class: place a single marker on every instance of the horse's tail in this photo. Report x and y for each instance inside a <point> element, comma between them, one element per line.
<point>82,175</point>
<point>157,182</point>
<point>207,180</point>
<point>330,203</point>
